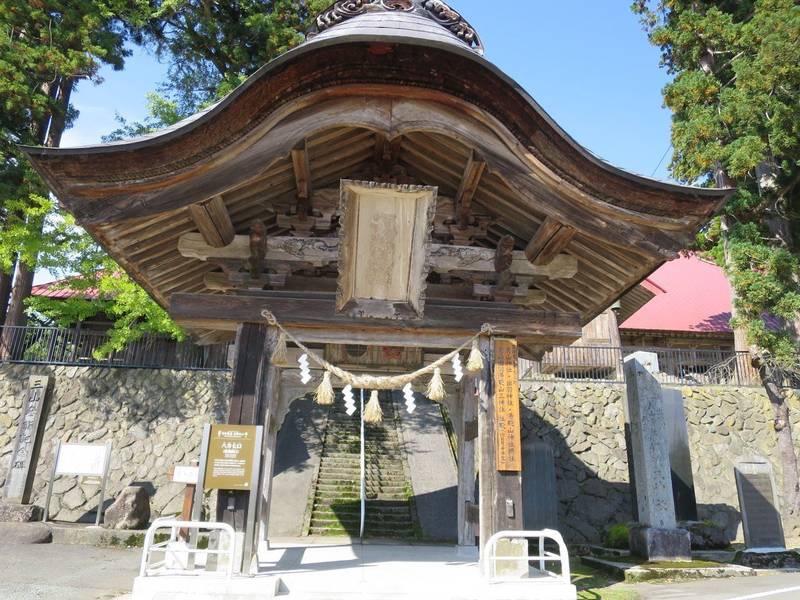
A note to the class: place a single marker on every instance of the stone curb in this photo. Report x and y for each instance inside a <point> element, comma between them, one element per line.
<point>96,536</point>
<point>636,573</point>
<point>25,533</point>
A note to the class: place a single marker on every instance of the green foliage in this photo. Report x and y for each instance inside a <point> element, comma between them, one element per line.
<point>616,537</point>
<point>212,47</point>
<point>735,100</point>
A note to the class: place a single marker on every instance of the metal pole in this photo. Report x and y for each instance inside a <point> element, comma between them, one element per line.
<point>363,461</point>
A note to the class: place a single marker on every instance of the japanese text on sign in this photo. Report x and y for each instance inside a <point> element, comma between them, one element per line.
<point>508,444</point>
<point>230,457</point>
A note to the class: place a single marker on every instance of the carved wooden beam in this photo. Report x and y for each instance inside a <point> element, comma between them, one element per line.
<point>443,258</point>
<point>549,240</point>
<point>466,190</point>
<point>446,323</point>
<point>212,219</point>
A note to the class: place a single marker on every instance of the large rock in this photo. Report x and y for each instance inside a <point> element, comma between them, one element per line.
<point>131,509</point>
<point>19,513</point>
<point>706,535</point>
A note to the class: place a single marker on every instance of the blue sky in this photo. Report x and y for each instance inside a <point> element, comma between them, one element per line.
<point>588,64</point>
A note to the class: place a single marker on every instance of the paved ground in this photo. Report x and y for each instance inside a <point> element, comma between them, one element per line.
<point>59,572</point>
<point>771,587</point>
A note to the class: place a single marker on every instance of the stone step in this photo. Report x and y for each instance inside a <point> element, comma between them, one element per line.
<point>327,497</point>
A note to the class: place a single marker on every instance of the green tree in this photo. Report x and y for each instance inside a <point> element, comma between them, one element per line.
<point>46,48</point>
<point>735,99</point>
<point>210,48</point>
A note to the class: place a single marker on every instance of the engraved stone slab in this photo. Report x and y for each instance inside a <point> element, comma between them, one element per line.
<point>28,442</point>
<point>680,460</point>
<point>761,519</point>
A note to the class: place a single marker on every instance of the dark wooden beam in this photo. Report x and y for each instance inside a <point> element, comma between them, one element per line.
<point>466,190</point>
<point>213,221</point>
<point>312,317</point>
<point>549,240</point>
<point>258,248</point>
<point>302,177</point>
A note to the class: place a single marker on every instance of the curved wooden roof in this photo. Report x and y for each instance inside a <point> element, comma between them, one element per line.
<point>396,78</point>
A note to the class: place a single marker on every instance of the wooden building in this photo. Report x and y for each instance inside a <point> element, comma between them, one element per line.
<point>381,184</point>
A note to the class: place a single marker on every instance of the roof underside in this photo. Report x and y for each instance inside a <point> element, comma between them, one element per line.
<point>427,107</point>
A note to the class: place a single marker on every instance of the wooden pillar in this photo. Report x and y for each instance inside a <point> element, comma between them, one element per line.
<point>251,372</point>
<point>500,490</point>
<point>467,433</point>
<point>271,420</point>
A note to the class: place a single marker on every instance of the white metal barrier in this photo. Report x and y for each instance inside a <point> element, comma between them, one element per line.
<point>543,557</point>
<point>177,553</point>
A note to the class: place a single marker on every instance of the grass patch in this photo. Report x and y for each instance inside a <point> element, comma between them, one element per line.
<point>594,584</point>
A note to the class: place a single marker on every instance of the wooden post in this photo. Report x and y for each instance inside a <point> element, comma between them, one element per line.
<point>467,433</point>
<point>250,371</point>
<point>500,491</point>
<point>271,421</point>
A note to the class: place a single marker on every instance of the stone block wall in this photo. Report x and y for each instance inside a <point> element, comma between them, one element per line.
<point>585,424</point>
<point>153,418</point>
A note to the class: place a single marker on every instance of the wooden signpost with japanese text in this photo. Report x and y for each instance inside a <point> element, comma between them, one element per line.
<point>508,444</point>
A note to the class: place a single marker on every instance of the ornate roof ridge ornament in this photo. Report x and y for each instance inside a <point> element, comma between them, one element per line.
<point>436,10</point>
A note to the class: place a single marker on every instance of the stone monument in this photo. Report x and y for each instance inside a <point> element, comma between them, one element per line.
<point>657,536</point>
<point>25,456</point>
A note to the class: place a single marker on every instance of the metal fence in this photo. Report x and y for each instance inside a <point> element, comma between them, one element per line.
<point>61,346</point>
<point>675,366</point>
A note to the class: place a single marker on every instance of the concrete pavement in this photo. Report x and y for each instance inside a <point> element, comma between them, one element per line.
<point>782,586</point>
<point>60,572</point>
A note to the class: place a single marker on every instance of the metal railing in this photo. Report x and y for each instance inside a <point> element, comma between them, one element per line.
<point>671,366</point>
<point>180,557</point>
<point>62,346</point>
<point>516,565</point>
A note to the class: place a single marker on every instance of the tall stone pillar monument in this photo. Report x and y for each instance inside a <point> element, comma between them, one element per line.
<point>657,536</point>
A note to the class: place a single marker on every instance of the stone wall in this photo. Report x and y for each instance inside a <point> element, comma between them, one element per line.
<point>153,418</point>
<point>726,424</point>
<point>585,423</point>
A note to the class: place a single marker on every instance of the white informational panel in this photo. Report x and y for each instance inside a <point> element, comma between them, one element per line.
<point>82,459</point>
<point>186,474</point>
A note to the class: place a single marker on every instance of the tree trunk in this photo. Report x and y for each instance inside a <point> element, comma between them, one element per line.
<point>772,380</point>
<point>6,282</point>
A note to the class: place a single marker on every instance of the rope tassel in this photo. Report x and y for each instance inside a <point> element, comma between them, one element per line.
<point>279,358</point>
<point>324,394</point>
<point>475,361</point>
<point>373,414</point>
<point>436,387</point>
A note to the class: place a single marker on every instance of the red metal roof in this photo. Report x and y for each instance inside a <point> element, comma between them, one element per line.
<point>55,289</point>
<point>695,296</point>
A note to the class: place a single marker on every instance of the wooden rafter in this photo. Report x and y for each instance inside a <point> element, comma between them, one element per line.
<point>212,219</point>
<point>467,188</point>
<point>302,177</point>
<point>549,240</point>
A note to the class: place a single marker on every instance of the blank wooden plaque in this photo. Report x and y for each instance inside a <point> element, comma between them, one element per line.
<point>384,242</point>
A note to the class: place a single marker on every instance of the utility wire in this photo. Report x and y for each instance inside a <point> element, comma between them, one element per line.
<point>663,156</point>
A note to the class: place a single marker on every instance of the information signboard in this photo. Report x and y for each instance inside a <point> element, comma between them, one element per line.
<point>761,518</point>
<point>508,444</point>
<point>81,459</point>
<point>229,464</point>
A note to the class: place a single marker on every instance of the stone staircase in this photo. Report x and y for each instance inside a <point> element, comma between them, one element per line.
<point>335,506</point>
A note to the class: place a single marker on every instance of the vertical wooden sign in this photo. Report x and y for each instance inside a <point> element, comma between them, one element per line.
<point>508,443</point>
